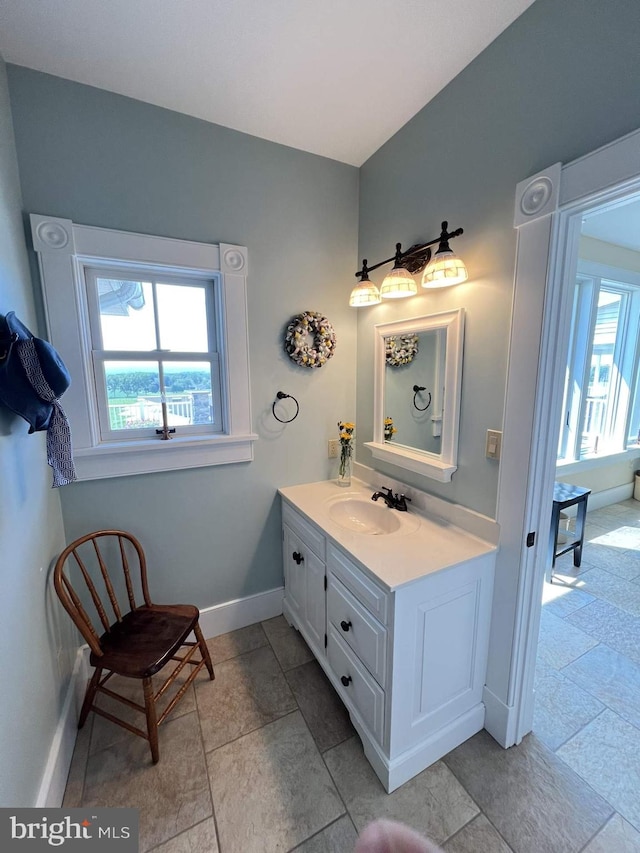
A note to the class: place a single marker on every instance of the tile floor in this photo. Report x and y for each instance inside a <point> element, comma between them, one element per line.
<point>264,758</point>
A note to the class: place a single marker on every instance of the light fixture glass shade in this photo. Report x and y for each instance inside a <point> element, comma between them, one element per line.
<point>364,293</point>
<point>445,268</point>
<point>398,284</point>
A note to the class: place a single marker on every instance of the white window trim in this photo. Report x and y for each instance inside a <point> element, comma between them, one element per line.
<point>63,249</point>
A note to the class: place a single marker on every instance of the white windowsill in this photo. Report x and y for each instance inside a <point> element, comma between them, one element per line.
<point>125,458</point>
<point>593,462</point>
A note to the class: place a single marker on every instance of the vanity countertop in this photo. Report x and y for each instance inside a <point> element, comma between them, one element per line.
<point>421,546</point>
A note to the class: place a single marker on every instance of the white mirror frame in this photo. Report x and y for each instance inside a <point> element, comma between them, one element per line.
<point>436,466</point>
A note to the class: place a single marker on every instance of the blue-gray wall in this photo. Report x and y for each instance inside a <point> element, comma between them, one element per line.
<point>562,80</point>
<point>31,535</point>
<point>102,159</point>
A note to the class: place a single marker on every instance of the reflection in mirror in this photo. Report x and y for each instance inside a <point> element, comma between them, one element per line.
<point>414,384</point>
<point>417,382</point>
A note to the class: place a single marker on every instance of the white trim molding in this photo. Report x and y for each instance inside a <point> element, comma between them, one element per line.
<point>438,466</point>
<point>546,265</point>
<point>64,249</point>
<point>232,615</point>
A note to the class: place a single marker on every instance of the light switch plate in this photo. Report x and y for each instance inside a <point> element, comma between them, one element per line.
<point>494,444</point>
<point>333,448</point>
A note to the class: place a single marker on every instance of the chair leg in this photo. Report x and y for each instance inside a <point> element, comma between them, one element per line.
<point>89,696</point>
<point>204,651</point>
<point>152,719</point>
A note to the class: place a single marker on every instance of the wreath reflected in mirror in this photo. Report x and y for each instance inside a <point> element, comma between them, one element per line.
<point>310,340</point>
<point>400,349</point>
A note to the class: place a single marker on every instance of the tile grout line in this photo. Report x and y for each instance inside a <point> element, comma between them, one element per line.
<point>206,768</point>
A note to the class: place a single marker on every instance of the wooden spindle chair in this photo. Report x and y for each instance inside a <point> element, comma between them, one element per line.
<point>137,644</point>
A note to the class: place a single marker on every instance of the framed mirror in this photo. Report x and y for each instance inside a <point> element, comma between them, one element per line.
<point>417,382</point>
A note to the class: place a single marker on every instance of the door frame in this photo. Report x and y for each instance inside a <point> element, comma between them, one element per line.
<point>548,213</point>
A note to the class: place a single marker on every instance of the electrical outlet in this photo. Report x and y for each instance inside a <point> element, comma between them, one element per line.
<point>494,444</point>
<point>333,448</point>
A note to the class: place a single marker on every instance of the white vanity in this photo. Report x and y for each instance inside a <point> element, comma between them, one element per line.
<point>396,608</point>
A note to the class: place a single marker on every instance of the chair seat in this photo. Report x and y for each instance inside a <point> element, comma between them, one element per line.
<point>146,638</point>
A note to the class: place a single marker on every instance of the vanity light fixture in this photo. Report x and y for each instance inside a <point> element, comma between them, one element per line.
<point>399,283</point>
<point>365,292</point>
<point>445,268</point>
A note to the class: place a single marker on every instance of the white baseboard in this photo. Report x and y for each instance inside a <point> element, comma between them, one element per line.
<point>500,719</point>
<point>54,778</point>
<point>598,500</point>
<point>232,615</point>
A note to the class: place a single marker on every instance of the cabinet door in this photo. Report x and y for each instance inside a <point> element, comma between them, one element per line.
<point>304,591</point>
<point>315,599</point>
<point>294,572</point>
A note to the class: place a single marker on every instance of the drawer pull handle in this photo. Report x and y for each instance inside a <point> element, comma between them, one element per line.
<point>298,557</point>
<point>345,625</point>
<point>346,680</point>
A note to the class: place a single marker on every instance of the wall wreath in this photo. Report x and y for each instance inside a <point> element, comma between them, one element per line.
<point>401,349</point>
<point>296,340</point>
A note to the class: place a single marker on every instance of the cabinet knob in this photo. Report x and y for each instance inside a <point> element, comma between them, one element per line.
<point>345,625</point>
<point>346,680</point>
<point>297,557</point>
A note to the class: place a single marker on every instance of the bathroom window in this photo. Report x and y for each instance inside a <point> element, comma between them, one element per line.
<point>601,400</point>
<point>154,334</point>
<point>154,353</point>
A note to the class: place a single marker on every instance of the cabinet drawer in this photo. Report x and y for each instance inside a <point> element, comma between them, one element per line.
<point>306,531</point>
<point>358,628</point>
<point>360,692</point>
<point>374,598</point>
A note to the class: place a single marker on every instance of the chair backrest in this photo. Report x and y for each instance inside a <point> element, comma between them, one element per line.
<point>102,550</point>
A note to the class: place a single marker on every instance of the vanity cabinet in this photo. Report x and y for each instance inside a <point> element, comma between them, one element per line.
<point>408,661</point>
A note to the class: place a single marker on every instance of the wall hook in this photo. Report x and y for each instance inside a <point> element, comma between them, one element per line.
<point>416,391</point>
<point>282,396</point>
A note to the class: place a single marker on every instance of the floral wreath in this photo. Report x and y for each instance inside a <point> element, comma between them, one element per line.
<point>324,339</point>
<point>401,349</point>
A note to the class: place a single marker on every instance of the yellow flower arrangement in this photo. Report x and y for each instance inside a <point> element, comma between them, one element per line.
<point>389,429</point>
<point>346,431</point>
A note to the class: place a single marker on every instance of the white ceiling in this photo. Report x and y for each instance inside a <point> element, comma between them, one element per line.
<point>334,77</point>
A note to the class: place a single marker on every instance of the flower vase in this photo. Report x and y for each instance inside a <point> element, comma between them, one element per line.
<point>344,469</point>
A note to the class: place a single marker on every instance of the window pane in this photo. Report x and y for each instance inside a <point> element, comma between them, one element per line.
<point>182,318</point>
<point>601,373</point>
<point>133,394</point>
<point>188,392</point>
<point>126,314</point>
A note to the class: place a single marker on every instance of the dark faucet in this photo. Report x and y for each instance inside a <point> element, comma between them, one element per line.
<point>396,501</point>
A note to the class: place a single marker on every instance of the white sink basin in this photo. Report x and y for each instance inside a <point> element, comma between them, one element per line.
<point>360,515</point>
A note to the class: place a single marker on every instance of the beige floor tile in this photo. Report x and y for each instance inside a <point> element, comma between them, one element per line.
<point>235,643</point>
<point>248,692</point>
<point>270,789</point>
<point>172,796</point>
<point>105,733</point>
<point>530,796</point>
<point>201,838</point>
<point>617,591</point>
<point>606,754</point>
<point>433,802</point>
<point>560,642</point>
<point>618,836</point>
<point>610,677</point>
<point>616,628</point>
<point>287,643</point>
<point>561,709</point>
<point>324,713</point>
<point>478,836</point>
<point>340,837</point>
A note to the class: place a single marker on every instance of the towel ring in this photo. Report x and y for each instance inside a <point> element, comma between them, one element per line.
<point>416,391</point>
<point>282,396</point>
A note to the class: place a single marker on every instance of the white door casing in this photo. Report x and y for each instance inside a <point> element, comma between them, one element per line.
<point>548,212</point>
